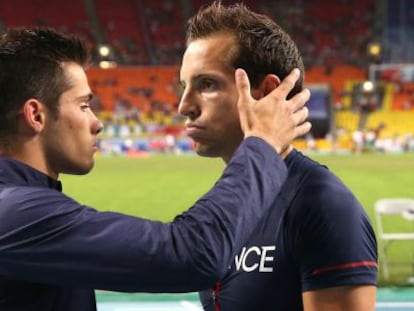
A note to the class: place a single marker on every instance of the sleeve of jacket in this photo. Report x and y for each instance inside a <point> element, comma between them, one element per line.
<point>50,238</point>
<point>336,243</point>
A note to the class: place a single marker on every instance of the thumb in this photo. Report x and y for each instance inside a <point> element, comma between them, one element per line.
<point>244,99</point>
<point>243,86</point>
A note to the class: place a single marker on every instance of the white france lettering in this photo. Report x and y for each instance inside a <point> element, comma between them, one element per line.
<point>252,268</point>
<point>238,261</point>
<point>262,259</point>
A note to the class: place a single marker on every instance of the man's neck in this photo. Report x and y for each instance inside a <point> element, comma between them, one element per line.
<point>285,152</point>
<point>283,155</point>
<point>29,153</point>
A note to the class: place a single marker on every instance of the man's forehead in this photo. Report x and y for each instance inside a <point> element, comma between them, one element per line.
<point>208,55</point>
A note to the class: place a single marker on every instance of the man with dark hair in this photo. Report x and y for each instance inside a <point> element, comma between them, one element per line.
<point>54,251</point>
<point>316,250</point>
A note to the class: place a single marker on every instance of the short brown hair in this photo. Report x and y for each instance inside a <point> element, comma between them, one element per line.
<point>264,47</point>
<point>31,67</point>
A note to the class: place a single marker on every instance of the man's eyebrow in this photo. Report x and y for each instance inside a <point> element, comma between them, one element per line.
<point>197,77</point>
<point>87,97</point>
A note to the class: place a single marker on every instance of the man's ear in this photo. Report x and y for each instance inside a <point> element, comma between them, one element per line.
<point>34,115</point>
<point>269,83</point>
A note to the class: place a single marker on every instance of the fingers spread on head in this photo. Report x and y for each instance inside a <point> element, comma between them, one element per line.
<point>303,128</point>
<point>288,82</point>
<point>301,115</point>
<point>300,99</point>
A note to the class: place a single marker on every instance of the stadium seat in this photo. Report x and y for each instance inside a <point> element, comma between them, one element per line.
<point>400,207</point>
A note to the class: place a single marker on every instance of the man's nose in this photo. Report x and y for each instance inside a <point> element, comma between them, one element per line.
<point>188,106</point>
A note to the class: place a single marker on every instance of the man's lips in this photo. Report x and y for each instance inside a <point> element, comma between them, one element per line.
<point>194,130</point>
<point>95,147</point>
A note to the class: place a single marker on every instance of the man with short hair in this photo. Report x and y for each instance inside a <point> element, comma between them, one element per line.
<point>316,250</point>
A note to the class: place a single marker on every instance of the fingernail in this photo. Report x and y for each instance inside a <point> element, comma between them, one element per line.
<point>239,72</point>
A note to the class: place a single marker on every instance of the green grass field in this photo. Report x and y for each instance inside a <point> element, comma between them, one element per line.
<point>162,186</point>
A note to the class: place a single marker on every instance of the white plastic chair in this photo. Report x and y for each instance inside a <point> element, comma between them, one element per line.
<point>403,207</point>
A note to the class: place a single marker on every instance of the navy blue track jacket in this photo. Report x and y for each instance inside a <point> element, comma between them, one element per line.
<point>54,251</point>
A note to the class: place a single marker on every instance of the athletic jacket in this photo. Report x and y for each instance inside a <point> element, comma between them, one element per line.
<point>55,251</point>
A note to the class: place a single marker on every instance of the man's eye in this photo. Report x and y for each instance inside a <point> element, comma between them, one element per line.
<point>207,85</point>
<point>85,106</point>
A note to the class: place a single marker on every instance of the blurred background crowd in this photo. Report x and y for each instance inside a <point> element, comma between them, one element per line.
<point>359,61</point>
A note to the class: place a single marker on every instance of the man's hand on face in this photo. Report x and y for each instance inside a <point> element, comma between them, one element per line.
<point>273,118</point>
